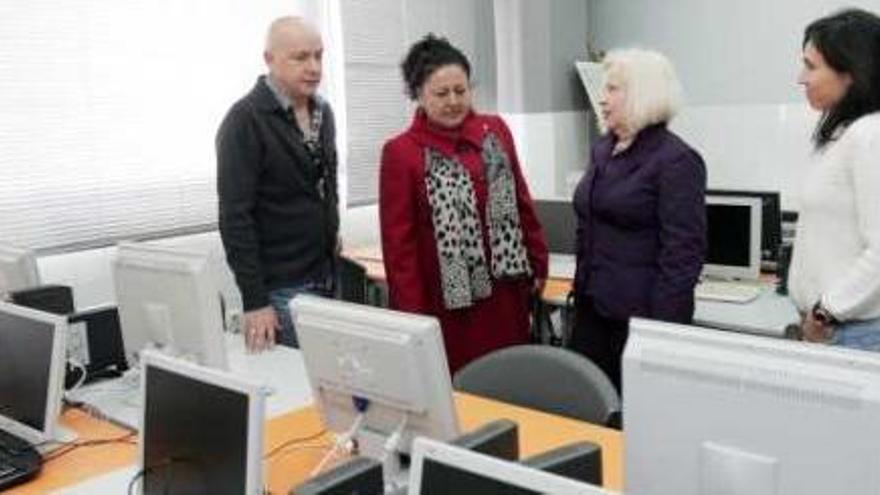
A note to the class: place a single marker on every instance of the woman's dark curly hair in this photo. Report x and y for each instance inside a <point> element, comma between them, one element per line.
<point>427,55</point>
<point>849,41</point>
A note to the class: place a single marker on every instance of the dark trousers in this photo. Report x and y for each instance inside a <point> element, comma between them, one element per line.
<point>599,338</point>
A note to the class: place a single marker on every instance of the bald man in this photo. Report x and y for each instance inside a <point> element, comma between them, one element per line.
<point>276,182</point>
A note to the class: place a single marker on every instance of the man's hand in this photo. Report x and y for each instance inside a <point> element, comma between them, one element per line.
<point>814,330</point>
<point>260,326</point>
<point>539,285</point>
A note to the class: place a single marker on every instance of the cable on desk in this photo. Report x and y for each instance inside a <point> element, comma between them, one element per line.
<point>143,472</point>
<point>134,479</point>
<point>292,441</point>
<point>82,377</point>
<point>68,447</point>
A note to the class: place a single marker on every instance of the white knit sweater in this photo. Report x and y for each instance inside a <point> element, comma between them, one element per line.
<point>837,246</point>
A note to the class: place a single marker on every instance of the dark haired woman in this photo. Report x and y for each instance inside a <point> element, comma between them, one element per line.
<point>460,238</point>
<point>835,272</point>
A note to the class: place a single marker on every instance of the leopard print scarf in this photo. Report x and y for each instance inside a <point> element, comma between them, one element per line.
<point>458,230</point>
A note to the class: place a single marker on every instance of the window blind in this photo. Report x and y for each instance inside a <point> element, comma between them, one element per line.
<point>376,37</point>
<point>108,112</point>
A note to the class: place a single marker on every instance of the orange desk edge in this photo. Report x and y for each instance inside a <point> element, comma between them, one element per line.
<point>291,465</point>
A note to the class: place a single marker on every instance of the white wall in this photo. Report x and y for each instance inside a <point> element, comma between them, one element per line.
<point>738,62</point>
<point>553,148</point>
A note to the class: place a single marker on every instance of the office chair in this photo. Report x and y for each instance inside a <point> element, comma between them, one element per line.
<point>351,281</point>
<point>549,379</point>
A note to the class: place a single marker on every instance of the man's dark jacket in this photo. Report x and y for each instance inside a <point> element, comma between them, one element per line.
<point>278,228</point>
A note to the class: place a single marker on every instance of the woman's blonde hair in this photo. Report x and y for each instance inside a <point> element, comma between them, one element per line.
<point>653,93</point>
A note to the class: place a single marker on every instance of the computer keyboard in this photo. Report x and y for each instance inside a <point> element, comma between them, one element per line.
<point>19,461</point>
<point>726,291</point>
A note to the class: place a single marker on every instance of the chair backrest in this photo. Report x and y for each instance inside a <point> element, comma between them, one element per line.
<point>545,378</point>
<point>351,281</point>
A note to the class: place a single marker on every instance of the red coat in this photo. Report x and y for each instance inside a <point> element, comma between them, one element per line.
<point>409,249</point>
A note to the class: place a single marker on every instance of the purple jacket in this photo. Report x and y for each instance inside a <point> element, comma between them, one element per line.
<point>641,235</point>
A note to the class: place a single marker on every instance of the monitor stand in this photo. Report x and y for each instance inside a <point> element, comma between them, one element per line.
<point>385,448</point>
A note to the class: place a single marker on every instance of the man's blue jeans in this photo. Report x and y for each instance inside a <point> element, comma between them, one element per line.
<point>280,300</point>
<point>859,334</point>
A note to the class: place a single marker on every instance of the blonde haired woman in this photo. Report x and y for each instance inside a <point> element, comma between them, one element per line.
<point>641,235</point>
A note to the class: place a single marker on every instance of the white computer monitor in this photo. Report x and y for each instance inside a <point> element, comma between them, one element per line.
<point>734,235</point>
<point>33,353</point>
<point>709,412</point>
<point>394,360</point>
<point>210,244</point>
<point>202,429</point>
<point>18,270</point>
<point>168,299</point>
<point>441,469</point>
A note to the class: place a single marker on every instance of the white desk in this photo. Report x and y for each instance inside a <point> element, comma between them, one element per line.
<point>280,370</point>
<point>112,482</point>
<point>769,314</point>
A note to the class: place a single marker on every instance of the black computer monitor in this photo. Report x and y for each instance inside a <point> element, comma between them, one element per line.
<point>581,461</point>
<point>33,350</point>
<point>202,430</point>
<point>560,224</point>
<point>734,237</point>
<point>359,476</point>
<point>499,438</point>
<point>443,469</point>
<point>771,219</point>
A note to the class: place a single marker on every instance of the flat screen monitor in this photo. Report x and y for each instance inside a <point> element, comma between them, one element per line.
<point>18,270</point>
<point>202,429</point>
<point>771,219</point>
<point>558,219</point>
<point>734,235</point>
<point>442,469</point>
<point>168,298</point>
<point>33,353</point>
<point>209,244</point>
<point>395,362</point>
<point>711,412</point>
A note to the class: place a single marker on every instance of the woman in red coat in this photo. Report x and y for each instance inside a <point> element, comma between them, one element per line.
<point>460,238</point>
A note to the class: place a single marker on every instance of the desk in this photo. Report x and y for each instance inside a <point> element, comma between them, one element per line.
<point>281,370</point>
<point>769,314</point>
<point>538,432</point>
<point>84,462</point>
<point>370,257</point>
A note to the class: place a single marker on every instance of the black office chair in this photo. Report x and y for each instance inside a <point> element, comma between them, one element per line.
<point>351,281</point>
<point>545,378</point>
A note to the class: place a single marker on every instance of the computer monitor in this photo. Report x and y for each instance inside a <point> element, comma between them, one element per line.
<point>711,412</point>
<point>442,469</point>
<point>33,353</point>
<point>168,299</point>
<point>18,270</point>
<point>202,429</point>
<point>734,234</point>
<point>558,219</point>
<point>771,220</point>
<point>581,461</point>
<point>390,366</point>
<point>498,438</point>
<point>210,244</point>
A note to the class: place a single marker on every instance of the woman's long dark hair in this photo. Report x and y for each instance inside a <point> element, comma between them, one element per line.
<point>849,41</point>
